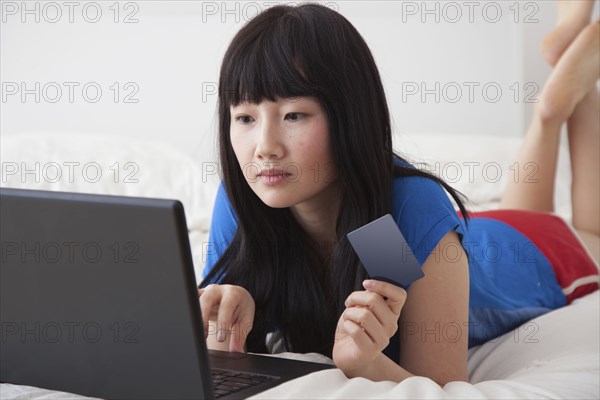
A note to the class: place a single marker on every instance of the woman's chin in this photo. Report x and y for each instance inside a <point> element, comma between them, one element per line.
<point>275,200</point>
<point>276,203</point>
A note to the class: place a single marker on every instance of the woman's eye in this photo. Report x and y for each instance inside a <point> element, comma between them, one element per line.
<point>294,116</point>
<point>244,119</point>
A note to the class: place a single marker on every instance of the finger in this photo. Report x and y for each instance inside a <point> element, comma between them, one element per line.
<point>360,316</point>
<point>396,296</point>
<point>369,324</point>
<point>378,306</point>
<point>242,328</point>
<point>368,299</point>
<point>215,295</point>
<point>360,337</point>
<point>239,335</point>
<point>211,287</point>
<point>227,317</point>
<point>210,299</point>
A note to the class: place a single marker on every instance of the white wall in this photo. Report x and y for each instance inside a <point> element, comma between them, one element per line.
<point>174,50</point>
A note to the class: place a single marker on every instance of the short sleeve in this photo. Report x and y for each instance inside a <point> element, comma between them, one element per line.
<point>424,214</point>
<point>222,229</point>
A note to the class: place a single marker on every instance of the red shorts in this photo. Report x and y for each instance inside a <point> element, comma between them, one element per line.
<point>575,270</point>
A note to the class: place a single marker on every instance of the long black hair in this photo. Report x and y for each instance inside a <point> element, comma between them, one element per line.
<point>286,52</point>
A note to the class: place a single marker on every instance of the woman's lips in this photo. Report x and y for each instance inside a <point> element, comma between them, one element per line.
<point>272,179</point>
<point>273,176</point>
<point>272,172</point>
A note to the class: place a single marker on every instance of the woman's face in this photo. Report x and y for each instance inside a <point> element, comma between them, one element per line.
<point>284,151</point>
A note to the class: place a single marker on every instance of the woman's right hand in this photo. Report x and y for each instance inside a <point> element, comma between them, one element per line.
<point>232,308</point>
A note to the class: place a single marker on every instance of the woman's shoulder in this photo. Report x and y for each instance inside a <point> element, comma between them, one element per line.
<point>423,211</point>
<point>222,205</point>
<point>224,219</point>
<point>416,188</point>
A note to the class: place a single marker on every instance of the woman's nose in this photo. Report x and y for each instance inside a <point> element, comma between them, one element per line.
<point>268,144</point>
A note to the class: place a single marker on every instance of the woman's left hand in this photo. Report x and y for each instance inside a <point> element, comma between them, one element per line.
<point>366,326</point>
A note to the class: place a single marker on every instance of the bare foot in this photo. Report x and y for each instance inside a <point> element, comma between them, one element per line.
<point>573,16</point>
<point>575,74</point>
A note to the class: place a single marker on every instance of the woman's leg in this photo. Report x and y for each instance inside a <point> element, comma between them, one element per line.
<point>572,17</point>
<point>569,95</point>
<point>584,148</point>
<point>538,154</point>
<point>571,80</point>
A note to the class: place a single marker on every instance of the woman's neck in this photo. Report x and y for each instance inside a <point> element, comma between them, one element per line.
<point>318,218</point>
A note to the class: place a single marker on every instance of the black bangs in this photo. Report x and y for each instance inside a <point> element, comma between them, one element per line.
<point>269,60</point>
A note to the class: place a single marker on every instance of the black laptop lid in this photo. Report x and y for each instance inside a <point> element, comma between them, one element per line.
<point>92,300</point>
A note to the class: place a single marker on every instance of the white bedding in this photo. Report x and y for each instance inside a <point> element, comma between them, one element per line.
<point>553,356</point>
<point>556,355</point>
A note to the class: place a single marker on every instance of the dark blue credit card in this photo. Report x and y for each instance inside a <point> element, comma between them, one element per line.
<point>385,253</point>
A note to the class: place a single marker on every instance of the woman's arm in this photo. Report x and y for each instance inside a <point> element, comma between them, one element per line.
<point>434,320</point>
<point>433,323</point>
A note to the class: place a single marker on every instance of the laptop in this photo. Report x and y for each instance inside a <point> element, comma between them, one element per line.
<point>99,298</point>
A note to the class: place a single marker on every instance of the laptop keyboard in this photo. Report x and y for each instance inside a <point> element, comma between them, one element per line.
<point>226,382</point>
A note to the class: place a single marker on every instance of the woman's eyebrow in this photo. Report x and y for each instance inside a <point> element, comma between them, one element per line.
<point>300,102</point>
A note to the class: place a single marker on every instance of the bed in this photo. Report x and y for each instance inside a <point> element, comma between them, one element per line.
<point>556,355</point>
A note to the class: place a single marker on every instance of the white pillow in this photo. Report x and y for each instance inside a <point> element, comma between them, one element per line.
<point>104,164</point>
<point>480,166</point>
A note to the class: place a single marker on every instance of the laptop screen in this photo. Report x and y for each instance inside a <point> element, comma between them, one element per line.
<point>98,297</point>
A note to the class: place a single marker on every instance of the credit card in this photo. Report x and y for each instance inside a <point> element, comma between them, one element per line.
<point>385,253</point>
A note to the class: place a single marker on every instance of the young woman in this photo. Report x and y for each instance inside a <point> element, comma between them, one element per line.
<point>306,154</point>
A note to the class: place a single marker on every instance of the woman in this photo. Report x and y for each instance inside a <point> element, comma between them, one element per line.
<point>306,154</point>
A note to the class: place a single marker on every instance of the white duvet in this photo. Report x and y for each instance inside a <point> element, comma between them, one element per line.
<point>553,356</point>
<point>556,355</point>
